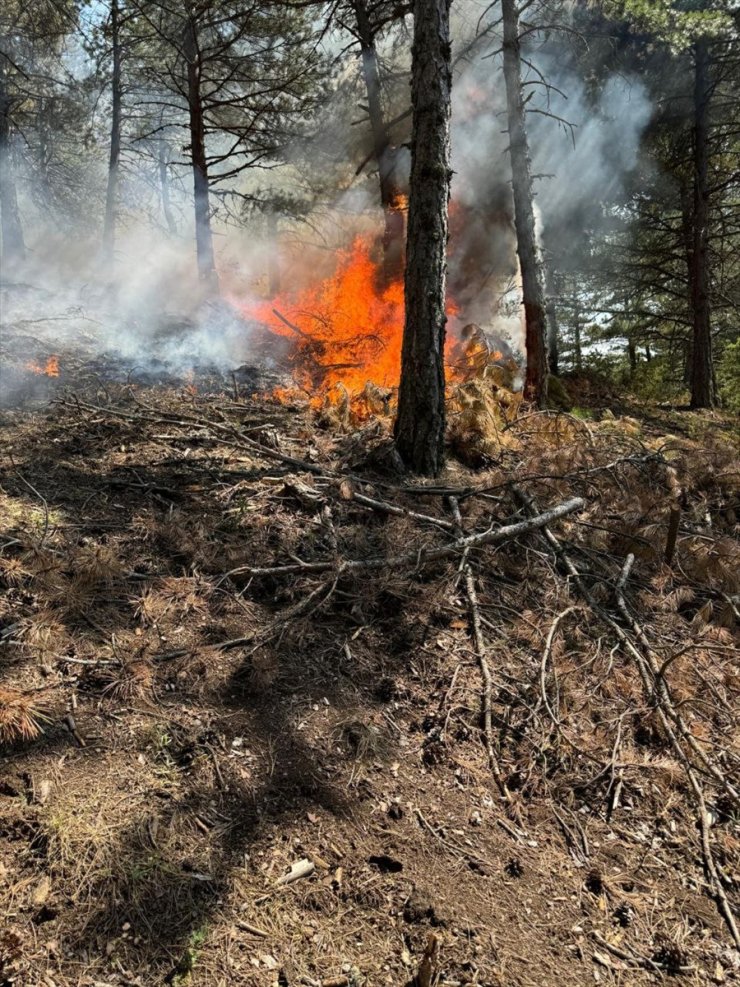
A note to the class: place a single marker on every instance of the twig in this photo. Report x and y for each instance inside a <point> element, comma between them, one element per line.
<point>543,663</point>
<point>633,958</point>
<point>290,325</point>
<point>480,651</point>
<point>457,851</point>
<point>386,508</point>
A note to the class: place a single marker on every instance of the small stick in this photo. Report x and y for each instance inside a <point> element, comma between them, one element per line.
<point>427,973</point>
<point>290,325</point>
<point>543,663</point>
<point>252,929</point>
<point>670,544</point>
<point>70,724</point>
<point>480,650</point>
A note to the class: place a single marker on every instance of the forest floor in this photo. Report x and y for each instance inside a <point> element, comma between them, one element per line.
<point>515,764</point>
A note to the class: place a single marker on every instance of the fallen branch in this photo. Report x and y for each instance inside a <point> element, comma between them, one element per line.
<point>480,651</point>
<point>543,664</point>
<point>657,693</point>
<point>424,554</point>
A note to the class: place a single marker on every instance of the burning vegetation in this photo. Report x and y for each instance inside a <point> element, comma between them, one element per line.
<point>369,591</point>
<point>344,334</point>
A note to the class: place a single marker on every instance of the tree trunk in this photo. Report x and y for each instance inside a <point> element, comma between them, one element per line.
<point>203,234</point>
<point>273,255</point>
<point>385,155</point>
<point>420,423</point>
<point>632,355</point>
<point>11,231</point>
<point>529,259</point>
<point>702,386</point>
<point>577,353</point>
<point>164,187</point>
<point>553,354</point>
<point>111,195</point>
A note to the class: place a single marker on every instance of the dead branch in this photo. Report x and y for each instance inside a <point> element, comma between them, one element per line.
<point>480,650</point>
<point>657,694</point>
<point>424,554</point>
<point>543,663</point>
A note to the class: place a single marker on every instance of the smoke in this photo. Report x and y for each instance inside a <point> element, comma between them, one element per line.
<point>148,307</point>
<point>583,147</point>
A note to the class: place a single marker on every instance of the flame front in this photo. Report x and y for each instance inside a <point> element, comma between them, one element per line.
<point>49,369</point>
<point>346,330</point>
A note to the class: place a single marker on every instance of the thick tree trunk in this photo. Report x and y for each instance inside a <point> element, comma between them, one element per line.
<point>420,423</point>
<point>11,230</point>
<point>111,195</point>
<point>385,155</point>
<point>164,187</point>
<point>529,259</point>
<point>203,233</point>
<point>702,379</point>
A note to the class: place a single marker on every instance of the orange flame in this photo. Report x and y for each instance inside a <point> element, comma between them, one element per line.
<point>50,368</point>
<point>346,330</point>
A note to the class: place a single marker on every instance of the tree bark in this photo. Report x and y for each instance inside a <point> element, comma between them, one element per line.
<point>702,382</point>
<point>420,423</point>
<point>11,230</point>
<point>273,255</point>
<point>632,355</point>
<point>577,353</point>
<point>385,155</point>
<point>535,385</point>
<point>553,354</point>
<point>164,187</point>
<point>111,195</point>
<point>203,233</point>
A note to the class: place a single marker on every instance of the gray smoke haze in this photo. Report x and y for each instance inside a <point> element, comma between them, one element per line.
<point>578,167</point>
<point>150,307</point>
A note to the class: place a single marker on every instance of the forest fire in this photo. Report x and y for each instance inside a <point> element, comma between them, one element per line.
<point>49,369</point>
<point>346,329</point>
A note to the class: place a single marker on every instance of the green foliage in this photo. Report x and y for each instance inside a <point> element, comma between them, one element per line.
<point>677,23</point>
<point>728,377</point>
<point>656,381</point>
<point>557,394</point>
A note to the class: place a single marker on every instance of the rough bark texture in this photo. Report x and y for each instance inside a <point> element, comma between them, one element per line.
<point>553,353</point>
<point>11,230</point>
<point>111,195</point>
<point>702,387</point>
<point>164,187</point>
<point>420,424</point>
<point>529,260</point>
<point>203,234</point>
<point>383,151</point>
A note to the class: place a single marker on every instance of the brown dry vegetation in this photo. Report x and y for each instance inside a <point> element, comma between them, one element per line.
<point>154,785</point>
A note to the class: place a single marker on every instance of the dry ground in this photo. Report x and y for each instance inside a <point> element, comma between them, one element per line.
<point>155,785</point>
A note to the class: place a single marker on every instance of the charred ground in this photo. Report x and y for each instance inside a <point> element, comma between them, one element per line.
<point>200,732</point>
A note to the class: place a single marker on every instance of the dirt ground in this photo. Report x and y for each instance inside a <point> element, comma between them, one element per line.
<point>177,730</point>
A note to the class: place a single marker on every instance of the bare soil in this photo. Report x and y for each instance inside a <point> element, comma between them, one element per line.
<point>156,783</point>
